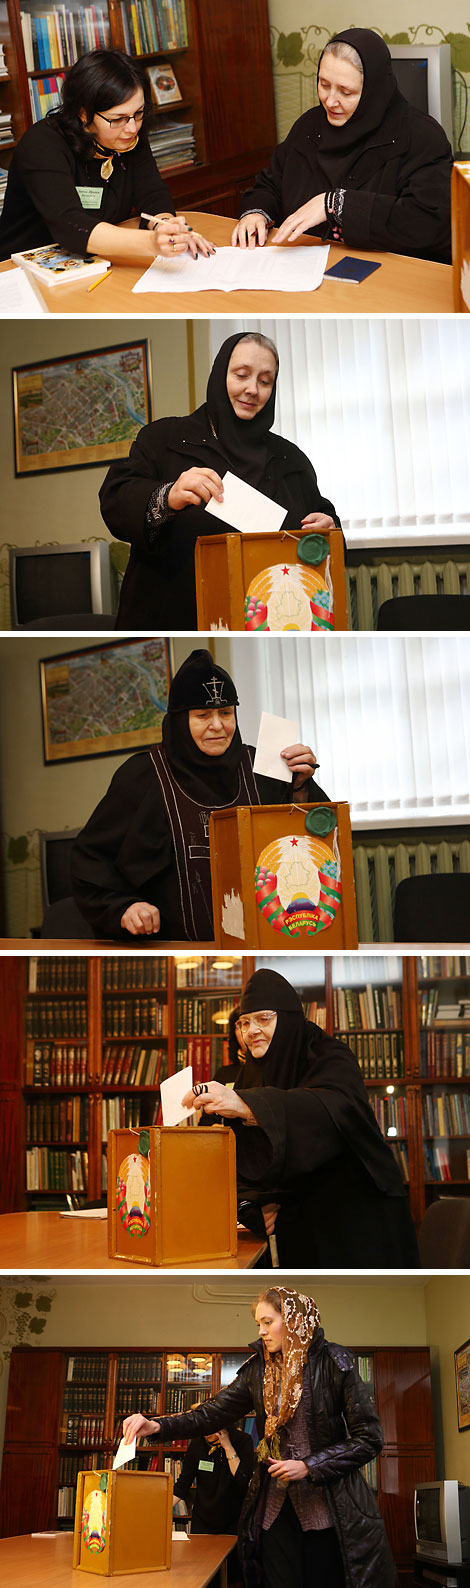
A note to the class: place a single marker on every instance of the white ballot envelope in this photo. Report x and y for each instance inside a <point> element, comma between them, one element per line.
<point>274,735</point>
<point>123,1454</point>
<point>171,1092</point>
<point>247,509</point>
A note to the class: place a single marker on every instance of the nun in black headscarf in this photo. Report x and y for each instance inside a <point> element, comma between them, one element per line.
<point>141,865</point>
<point>156,498</point>
<point>364,167</point>
<point>310,1155</point>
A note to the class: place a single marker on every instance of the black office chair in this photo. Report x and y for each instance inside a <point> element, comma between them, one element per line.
<point>433,909</point>
<point>425,612</point>
<point>62,918</point>
<point>444,1235</point>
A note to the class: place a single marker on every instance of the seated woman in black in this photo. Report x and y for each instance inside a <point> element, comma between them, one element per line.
<point>312,1164</point>
<point>156,498</point>
<point>364,167</point>
<point>141,864</point>
<point>78,176</point>
<point>219,1467</point>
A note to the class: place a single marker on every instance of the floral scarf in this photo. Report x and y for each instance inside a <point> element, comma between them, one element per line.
<point>283,1374</point>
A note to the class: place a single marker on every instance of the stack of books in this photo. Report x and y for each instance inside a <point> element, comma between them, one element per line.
<point>173,145</point>
<point>6,129</point>
<point>3,64</point>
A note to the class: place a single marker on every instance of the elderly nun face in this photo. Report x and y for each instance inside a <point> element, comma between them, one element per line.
<point>251,375</point>
<point>340,87</point>
<point>257,1031</point>
<point>213,730</point>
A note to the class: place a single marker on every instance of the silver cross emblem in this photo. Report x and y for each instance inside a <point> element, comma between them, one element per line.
<point>215,692</point>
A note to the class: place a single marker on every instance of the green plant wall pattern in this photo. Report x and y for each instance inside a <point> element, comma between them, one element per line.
<point>295,60</point>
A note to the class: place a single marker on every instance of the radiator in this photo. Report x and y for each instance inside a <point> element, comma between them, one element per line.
<point>373,582</point>
<point>382,860</point>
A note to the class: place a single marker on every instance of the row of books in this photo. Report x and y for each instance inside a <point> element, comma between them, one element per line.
<point>365,1368</point>
<point>45,94</point>
<point>436,1005</point>
<point>70,1466</point>
<point>199,1051</point>
<point>59,37</point>
<point>446,1114</point>
<point>134,975</point>
<point>173,144</point>
<point>84,1430</point>
<point>391,1114</point>
<point>57,975</point>
<point>48,1065</point>
<point>432,966</point>
<point>6,127</point>
<point>146,1368</point>
<point>3,185</point>
<point>83,1369</point>
<point>437,1164</point>
<point>197,1014</point>
<point>174,1465</point>
<point>135,1017</point>
<point>50,1170</point>
<point>57,1018</point>
<point>63,1120</point>
<point>209,973</point>
<point>82,1398</point>
<point>153,25</point>
<point>131,1064</point>
<point>317,1012</point>
<point>3,64</point>
<point>444,1053</point>
<point>381,1055</point>
<point>374,1008</point>
<point>126,1403</point>
<point>180,1398</point>
<point>119,1113</point>
<point>66,1501</point>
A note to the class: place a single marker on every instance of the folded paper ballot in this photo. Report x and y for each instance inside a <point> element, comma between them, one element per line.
<point>171,1092</point>
<point>282,269</point>
<point>275,734</point>
<point>246,509</point>
<point>123,1454</point>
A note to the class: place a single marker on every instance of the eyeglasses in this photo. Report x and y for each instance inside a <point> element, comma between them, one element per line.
<point>263,1019</point>
<point>123,121</point>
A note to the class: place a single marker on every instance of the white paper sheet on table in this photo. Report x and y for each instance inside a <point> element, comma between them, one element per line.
<point>247,509</point>
<point>83,1213</point>
<point>171,1092</point>
<point>234,269</point>
<point>18,297</point>
<point>124,1453</point>
<point>275,734</point>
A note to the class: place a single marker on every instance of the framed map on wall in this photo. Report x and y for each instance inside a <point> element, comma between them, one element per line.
<point>73,412</point>
<point>104,698</point>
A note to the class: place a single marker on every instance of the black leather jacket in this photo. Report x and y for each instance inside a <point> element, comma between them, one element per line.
<point>344,1433</point>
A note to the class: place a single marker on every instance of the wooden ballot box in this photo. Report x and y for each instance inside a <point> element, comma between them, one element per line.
<point>123,1522</point>
<point>282,877</point>
<point>172,1195</point>
<point>259,582</point>
<point>461,236</point>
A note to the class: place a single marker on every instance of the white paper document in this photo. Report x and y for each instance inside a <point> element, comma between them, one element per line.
<point>18,297</point>
<point>247,509</point>
<point>123,1454</point>
<point>275,734</point>
<point>84,1213</point>
<point>171,1093</point>
<point>236,269</point>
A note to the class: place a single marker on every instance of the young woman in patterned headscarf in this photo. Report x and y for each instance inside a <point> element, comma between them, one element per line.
<point>309,1516</point>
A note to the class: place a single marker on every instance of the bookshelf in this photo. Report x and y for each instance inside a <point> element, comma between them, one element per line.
<point>64,1384</point>
<point>223,70</point>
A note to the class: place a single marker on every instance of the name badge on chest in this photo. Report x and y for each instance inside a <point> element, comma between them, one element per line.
<point>90,197</point>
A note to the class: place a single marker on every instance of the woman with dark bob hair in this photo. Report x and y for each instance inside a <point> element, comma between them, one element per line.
<point>78,176</point>
<point>309,1516</point>
<point>363,167</point>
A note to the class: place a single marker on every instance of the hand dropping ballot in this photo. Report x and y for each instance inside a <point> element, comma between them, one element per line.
<point>123,1454</point>
<point>172,1091</point>
<point>275,734</point>
<point>246,509</point>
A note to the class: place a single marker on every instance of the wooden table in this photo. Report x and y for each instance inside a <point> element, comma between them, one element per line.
<point>402,285</point>
<point>29,1562</point>
<point>95,945</point>
<point>34,1241</point>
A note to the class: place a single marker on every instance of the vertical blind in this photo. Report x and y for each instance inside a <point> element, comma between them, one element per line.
<point>387,716</point>
<point>382,408</point>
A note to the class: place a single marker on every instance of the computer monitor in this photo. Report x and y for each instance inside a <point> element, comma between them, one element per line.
<point>59,581</point>
<point>424,77</point>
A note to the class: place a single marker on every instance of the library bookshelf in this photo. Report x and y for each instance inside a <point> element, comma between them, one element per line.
<point>65,1411</point>
<point>223,70</point>
<point>77,1060</point>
